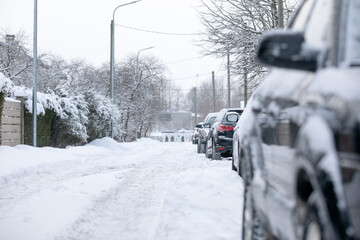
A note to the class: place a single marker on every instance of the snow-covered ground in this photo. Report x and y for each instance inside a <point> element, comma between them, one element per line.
<point>109,190</point>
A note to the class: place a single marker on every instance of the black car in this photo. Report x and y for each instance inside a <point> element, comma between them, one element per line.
<point>204,131</point>
<point>220,136</point>
<point>298,141</point>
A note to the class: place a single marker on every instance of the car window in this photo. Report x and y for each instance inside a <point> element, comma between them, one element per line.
<point>211,120</point>
<point>303,15</point>
<point>318,23</point>
<point>232,117</point>
<point>352,49</point>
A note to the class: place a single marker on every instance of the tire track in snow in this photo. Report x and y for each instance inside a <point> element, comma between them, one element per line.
<point>133,209</point>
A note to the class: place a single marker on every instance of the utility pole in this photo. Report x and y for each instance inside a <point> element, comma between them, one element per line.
<point>112,73</point>
<point>245,88</point>
<point>228,76</point>
<point>281,13</point>
<point>213,88</point>
<point>34,97</point>
<point>195,105</point>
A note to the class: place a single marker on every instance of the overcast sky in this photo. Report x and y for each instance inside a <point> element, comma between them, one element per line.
<point>81,29</point>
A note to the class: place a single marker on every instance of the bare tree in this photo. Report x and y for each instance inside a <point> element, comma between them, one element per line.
<point>235,26</point>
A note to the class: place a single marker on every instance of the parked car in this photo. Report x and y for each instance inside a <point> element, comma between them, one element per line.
<point>204,131</point>
<point>219,139</point>
<point>299,151</point>
<point>195,135</point>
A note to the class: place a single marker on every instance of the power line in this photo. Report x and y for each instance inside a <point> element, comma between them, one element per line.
<point>183,60</point>
<point>190,77</point>
<point>158,32</point>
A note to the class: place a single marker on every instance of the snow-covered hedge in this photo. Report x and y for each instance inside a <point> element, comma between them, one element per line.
<point>72,118</point>
<point>6,87</point>
<point>101,114</point>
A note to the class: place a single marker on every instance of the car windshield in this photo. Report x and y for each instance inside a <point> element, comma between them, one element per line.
<point>211,120</point>
<point>352,51</point>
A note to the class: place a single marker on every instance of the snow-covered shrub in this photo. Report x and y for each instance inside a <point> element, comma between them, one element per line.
<point>6,88</point>
<point>101,113</point>
<point>6,85</point>
<point>69,128</point>
<point>48,100</point>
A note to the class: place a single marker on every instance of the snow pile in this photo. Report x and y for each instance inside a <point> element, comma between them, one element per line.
<point>108,143</point>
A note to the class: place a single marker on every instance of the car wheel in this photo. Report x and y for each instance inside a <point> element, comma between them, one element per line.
<point>317,224</point>
<point>232,165</point>
<point>215,154</point>
<point>198,147</point>
<point>313,229</point>
<point>202,148</point>
<point>251,223</point>
<point>208,153</point>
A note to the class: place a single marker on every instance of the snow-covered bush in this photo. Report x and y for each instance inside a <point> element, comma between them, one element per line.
<point>6,88</point>
<point>6,85</point>
<point>69,128</point>
<point>101,113</point>
<point>62,117</point>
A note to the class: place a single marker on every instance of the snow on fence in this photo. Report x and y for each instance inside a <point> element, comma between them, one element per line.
<point>12,123</point>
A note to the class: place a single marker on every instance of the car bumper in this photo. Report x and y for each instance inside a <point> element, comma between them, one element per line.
<point>224,145</point>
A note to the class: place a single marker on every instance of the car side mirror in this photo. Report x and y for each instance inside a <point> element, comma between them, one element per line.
<point>287,49</point>
<point>232,117</point>
<point>199,125</point>
<point>207,125</point>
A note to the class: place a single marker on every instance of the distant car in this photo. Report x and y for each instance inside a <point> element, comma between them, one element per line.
<point>299,148</point>
<point>219,139</point>
<point>195,135</point>
<point>204,131</point>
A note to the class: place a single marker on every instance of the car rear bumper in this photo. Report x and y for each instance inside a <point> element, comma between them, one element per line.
<point>224,145</point>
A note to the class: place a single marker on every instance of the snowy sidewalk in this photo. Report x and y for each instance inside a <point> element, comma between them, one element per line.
<point>110,190</point>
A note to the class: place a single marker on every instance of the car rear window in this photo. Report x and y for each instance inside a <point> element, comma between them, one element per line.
<point>352,52</point>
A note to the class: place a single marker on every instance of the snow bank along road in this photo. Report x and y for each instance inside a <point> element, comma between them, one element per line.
<point>109,190</point>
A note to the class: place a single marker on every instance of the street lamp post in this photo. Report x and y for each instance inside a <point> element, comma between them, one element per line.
<point>135,79</point>
<point>112,47</point>
<point>34,97</point>
<point>137,59</point>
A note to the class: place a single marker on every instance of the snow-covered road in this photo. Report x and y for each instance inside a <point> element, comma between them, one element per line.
<point>109,190</point>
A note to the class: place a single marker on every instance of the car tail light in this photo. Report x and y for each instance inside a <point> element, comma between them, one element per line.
<point>225,128</point>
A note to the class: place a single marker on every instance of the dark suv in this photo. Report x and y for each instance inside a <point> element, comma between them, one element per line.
<point>220,136</point>
<point>299,138</point>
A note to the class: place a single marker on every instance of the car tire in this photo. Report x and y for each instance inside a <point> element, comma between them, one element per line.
<point>232,165</point>
<point>316,211</point>
<point>202,148</point>
<point>313,229</point>
<point>317,224</point>
<point>198,147</point>
<point>208,153</point>
<point>251,223</point>
<point>215,155</point>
